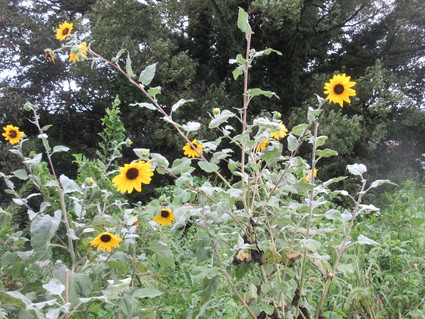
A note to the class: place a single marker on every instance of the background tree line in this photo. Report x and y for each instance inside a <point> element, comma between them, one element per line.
<point>380,44</point>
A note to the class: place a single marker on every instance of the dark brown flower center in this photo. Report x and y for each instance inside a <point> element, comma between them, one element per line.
<point>13,134</point>
<point>65,31</point>
<point>165,213</point>
<point>132,173</point>
<point>105,238</point>
<point>338,89</point>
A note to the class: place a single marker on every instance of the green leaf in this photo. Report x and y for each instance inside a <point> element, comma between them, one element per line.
<point>52,183</point>
<point>239,60</point>
<point>312,114</point>
<point>243,23</point>
<point>117,57</point>
<point>326,153</point>
<point>266,52</point>
<point>292,143</point>
<point>68,185</point>
<point>116,288</point>
<point>237,72</point>
<point>380,182</point>
<point>60,148</point>
<point>180,165</point>
<point>221,118</point>
<point>42,229</point>
<point>312,245</point>
<point>54,287</point>
<point>7,300</point>
<point>357,169</point>
<point>147,75</point>
<point>257,91</point>
<point>21,174</point>
<point>34,161</point>
<point>128,305</point>
<point>163,253</point>
<point>142,153</point>
<point>299,129</point>
<point>153,92</point>
<point>148,106</point>
<point>128,68</point>
<point>147,293</point>
<point>180,103</point>
<point>160,160</point>
<point>321,140</point>
<point>208,167</point>
<point>366,241</point>
<point>191,126</point>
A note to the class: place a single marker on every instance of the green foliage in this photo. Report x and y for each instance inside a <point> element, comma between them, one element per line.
<point>253,231</point>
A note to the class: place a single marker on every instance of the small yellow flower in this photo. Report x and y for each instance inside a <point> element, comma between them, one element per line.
<point>283,131</point>
<point>166,218</point>
<point>263,144</point>
<point>339,89</point>
<point>64,31</point>
<point>192,151</point>
<point>307,177</point>
<point>105,241</point>
<point>12,134</point>
<point>90,181</point>
<point>132,176</point>
<point>216,111</point>
<point>78,53</point>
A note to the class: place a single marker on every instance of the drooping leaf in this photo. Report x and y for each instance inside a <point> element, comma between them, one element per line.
<point>68,185</point>
<point>361,239</point>
<point>163,253</point>
<point>221,118</point>
<point>257,91</point>
<point>292,143</point>
<point>357,169</point>
<point>145,105</point>
<point>43,228</point>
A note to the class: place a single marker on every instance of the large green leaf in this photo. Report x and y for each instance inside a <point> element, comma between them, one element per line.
<point>43,228</point>
<point>147,74</point>
<point>163,253</point>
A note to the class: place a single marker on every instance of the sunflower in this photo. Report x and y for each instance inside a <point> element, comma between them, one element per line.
<point>339,89</point>
<point>283,131</point>
<point>166,218</point>
<point>192,151</point>
<point>63,31</point>
<point>262,144</point>
<point>78,53</point>
<point>12,134</point>
<point>105,241</point>
<point>307,177</point>
<point>132,176</point>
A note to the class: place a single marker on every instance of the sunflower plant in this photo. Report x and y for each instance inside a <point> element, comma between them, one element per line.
<point>256,234</point>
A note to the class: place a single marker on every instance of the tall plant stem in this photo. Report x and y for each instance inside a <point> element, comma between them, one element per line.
<point>223,268</point>
<point>341,250</point>
<point>310,213</point>
<point>61,196</point>
<point>160,109</point>
<point>244,120</point>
